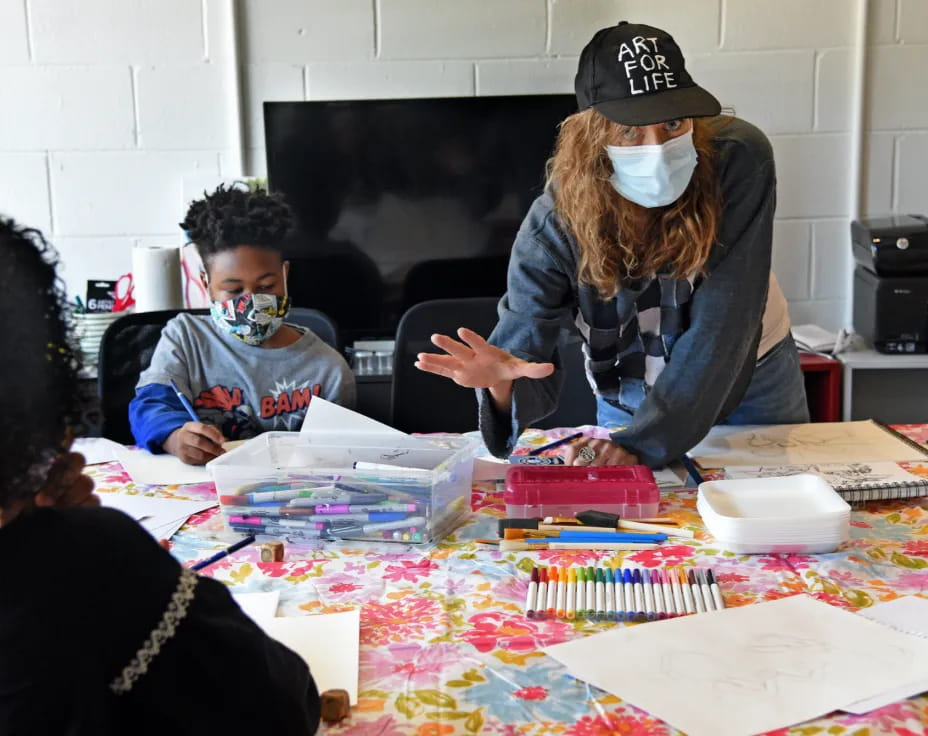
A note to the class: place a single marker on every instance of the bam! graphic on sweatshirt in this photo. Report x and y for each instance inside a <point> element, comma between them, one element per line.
<point>281,408</point>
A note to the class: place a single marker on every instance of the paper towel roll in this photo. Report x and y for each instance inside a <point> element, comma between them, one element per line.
<point>156,278</point>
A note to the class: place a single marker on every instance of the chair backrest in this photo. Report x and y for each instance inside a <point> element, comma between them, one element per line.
<point>319,322</point>
<point>125,351</point>
<point>423,402</point>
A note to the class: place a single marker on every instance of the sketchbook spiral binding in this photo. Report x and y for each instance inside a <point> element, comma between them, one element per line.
<point>890,491</point>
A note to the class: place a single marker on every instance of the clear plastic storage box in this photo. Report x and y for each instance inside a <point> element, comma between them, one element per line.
<point>350,487</point>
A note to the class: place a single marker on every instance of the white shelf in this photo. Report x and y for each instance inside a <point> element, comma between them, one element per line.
<point>870,358</point>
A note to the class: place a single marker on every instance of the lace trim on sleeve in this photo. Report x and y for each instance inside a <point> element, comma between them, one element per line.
<point>173,615</point>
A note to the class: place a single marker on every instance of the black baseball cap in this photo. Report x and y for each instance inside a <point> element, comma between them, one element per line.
<point>635,74</point>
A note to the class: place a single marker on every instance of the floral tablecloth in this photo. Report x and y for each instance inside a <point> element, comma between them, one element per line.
<point>445,648</point>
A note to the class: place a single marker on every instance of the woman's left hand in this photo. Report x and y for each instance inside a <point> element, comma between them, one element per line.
<point>605,452</point>
<point>66,484</point>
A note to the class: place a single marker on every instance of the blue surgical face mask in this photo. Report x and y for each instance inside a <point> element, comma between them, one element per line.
<point>653,176</point>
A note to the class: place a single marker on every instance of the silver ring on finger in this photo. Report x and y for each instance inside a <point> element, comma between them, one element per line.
<point>587,454</point>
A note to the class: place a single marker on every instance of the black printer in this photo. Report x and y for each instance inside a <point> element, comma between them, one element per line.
<point>891,282</point>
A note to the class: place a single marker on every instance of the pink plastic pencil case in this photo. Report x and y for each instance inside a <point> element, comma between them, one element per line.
<point>563,490</point>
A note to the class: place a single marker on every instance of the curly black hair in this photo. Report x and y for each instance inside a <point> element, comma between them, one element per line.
<point>234,216</point>
<point>39,398</point>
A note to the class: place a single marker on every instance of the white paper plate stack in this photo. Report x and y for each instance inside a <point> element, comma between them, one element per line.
<point>89,328</point>
<point>796,514</point>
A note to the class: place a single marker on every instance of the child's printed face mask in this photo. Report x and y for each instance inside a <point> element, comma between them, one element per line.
<point>251,318</point>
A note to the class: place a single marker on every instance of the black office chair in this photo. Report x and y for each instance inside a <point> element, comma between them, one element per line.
<point>319,322</point>
<point>455,278</point>
<point>423,402</point>
<point>128,345</point>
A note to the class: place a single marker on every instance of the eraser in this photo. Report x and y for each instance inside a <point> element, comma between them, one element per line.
<point>336,705</point>
<point>272,552</point>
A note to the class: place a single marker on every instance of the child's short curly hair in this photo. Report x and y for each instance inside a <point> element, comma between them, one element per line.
<point>234,216</point>
<point>40,398</point>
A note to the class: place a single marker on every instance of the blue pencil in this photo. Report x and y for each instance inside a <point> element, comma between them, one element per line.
<point>183,400</point>
<point>224,553</point>
<point>557,443</point>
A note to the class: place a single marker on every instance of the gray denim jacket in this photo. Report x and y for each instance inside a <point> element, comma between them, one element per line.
<point>710,361</point>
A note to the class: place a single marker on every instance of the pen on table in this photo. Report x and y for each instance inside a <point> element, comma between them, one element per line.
<point>674,578</point>
<point>600,594</point>
<point>716,591</point>
<point>706,592</point>
<point>188,407</point>
<point>691,468</point>
<point>697,593</point>
<point>571,594</point>
<point>520,545</point>
<point>605,520</point>
<point>580,598</point>
<point>541,608</point>
<point>689,605</point>
<point>551,603</point>
<point>530,596</point>
<point>628,583</point>
<point>639,612</point>
<point>659,608</point>
<point>562,592</point>
<point>590,578</point>
<point>585,537</point>
<point>649,609</point>
<point>669,603</point>
<point>610,595</point>
<point>224,553</point>
<point>556,443</point>
<point>619,596</point>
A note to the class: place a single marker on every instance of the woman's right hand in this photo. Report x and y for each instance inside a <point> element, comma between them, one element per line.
<point>195,443</point>
<point>474,363</point>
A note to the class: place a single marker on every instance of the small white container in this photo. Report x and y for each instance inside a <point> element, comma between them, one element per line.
<point>797,514</point>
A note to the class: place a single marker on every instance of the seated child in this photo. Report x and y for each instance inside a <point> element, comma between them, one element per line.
<point>102,632</point>
<point>243,368</point>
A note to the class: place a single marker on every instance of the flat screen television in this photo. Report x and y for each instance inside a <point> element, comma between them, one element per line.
<point>401,201</point>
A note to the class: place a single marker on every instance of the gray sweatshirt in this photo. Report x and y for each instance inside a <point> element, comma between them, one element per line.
<point>242,389</point>
<point>677,354</point>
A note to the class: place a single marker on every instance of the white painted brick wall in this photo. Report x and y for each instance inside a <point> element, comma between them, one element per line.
<point>183,107</point>
<point>912,181</point>
<point>24,189</point>
<point>129,193</point>
<point>65,107</point>
<point>913,21</point>
<point>748,82</point>
<point>116,31</point>
<point>526,77</point>
<point>786,24</point>
<point>452,29</point>
<point>831,267</point>
<point>298,31</point>
<point>14,41</point>
<point>389,79</point>
<point>898,87</point>
<point>812,174</point>
<point>791,257</point>
<point>694,24</point>
<point>117,100</point>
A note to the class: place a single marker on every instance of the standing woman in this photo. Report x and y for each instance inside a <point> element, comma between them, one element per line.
<point>654,238</point>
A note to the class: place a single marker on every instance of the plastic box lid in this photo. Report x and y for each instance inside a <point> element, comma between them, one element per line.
<point>579,485</point>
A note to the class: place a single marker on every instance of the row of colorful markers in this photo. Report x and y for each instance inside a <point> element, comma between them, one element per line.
<point>606,594</point>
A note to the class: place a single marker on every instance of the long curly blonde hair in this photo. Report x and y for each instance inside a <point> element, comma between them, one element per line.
<point>619,239</point>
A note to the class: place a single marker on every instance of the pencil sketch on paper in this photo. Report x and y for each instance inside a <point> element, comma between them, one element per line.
<point>802,444</point>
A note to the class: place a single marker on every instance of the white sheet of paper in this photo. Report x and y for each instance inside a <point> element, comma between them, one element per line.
<point>325,418</point>
<point>159,470</point>
<point>750,669</point>
<point>258,606</point>
<point>96,449</point>
<point>327,642</point>
<point>910,616</point>
<point>161,517</point>
<point>801,444</point>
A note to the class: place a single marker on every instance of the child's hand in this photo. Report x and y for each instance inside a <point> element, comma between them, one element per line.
<point>66,484</point>
<point>195,443</point>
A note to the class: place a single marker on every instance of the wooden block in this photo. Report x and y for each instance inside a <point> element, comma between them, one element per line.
<point>335,705</point>
<point>272,552</point>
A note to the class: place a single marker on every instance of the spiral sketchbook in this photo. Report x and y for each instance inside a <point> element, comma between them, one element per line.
<point>881,481</point>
